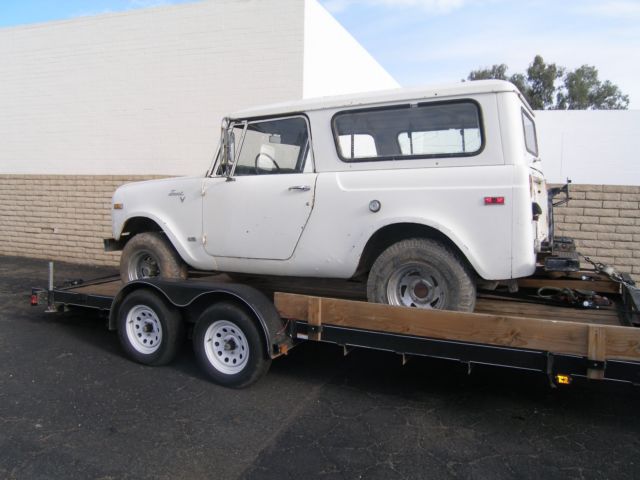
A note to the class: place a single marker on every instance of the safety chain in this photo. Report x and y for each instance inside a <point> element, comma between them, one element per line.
<point>610,272</point>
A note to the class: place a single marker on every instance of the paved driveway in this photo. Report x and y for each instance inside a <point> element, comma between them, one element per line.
<point>71,406</point>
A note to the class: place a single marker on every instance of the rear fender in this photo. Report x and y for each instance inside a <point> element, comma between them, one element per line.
<point>185,295</point>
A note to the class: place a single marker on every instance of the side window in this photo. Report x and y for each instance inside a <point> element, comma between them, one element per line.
<point>437,129</point>
<point>272,147</point>
<point>357,145</point>
<point>530,137</point>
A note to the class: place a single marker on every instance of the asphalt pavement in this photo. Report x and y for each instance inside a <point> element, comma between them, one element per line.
<point>73,407</point>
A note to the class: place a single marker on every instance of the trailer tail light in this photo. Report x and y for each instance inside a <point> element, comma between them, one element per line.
<point>494,200</point>
<point>34,299</point>
<point>563,379</point>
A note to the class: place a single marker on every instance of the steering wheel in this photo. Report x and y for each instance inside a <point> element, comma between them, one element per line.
<point>271,159</point>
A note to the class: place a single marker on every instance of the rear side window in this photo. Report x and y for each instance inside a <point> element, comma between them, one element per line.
<point>530,137</point>
<point>443,129</point>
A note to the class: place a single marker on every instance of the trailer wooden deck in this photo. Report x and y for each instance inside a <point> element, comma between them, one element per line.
<point>516,331</point>
<point>487,303</point>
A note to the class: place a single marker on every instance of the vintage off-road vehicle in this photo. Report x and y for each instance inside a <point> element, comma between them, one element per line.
<point>423,192</point>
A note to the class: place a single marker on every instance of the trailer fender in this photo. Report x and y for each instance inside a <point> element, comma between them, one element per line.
<point>184,295</point>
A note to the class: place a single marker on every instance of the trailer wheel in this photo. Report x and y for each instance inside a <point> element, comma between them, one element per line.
<point>150,331</point>
<point>421,273</point>
<point>229,346</point>
<point>149,255</point>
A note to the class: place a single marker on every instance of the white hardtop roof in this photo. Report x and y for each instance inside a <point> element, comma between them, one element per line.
<point>380,97</point>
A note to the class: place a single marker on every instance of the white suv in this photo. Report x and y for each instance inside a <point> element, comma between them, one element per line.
<point>423,192</point>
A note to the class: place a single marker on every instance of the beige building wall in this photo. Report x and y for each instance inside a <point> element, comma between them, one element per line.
<point>604,220</point>
<point>58,217</point>
<point>66,217</point>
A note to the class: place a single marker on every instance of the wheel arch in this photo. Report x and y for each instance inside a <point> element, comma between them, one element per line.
<point>193,298</point>
<point>135,225</point>
<point>142,223</point>
<point>386,236</point>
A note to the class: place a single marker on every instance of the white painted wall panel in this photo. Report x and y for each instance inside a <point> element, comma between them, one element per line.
<point>590,147</point>
<point>334,62</point>
<point>142,92</point>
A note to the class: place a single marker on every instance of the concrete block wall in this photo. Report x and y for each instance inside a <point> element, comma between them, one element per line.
<point>605,222</point>
<point>58,217</point>
<point>65,217</point>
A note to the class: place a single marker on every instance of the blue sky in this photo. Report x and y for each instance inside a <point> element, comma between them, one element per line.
<point>427,41</point>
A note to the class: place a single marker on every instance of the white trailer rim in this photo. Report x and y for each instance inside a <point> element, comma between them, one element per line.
<point>144,330</point>
<point>226,347</point>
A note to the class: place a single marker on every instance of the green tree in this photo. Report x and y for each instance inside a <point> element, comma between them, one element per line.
<point>583,90</point>
<point>549,86</point>
<point>541,83</point>
<point>496,72</point>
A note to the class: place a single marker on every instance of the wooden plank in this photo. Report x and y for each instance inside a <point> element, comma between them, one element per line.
<point>596,350</point>
<point>108,289</point>
<point>600,286</point>
<point>314,313</point>
<point>547,335</point>
<point>608,315</point>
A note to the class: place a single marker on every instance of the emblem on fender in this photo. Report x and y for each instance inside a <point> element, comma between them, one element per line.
<point>174,193</point>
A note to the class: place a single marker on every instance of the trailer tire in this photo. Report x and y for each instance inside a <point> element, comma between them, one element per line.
<point>150,331</point>
<point>421,273</point>
<point>149,255</point>
<point>229,347</point>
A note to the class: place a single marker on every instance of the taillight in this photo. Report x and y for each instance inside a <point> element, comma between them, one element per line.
<point>494,200</point>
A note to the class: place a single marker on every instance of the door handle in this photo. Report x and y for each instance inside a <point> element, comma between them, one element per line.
<point>300,188</point>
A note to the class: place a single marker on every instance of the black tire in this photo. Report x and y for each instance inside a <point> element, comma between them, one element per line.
<point>150,331</point>
<point>421,273</point>
<point>149,255</point>
<point>229,347</point>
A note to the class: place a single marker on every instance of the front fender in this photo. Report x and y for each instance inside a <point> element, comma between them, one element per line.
<point>175,205</point>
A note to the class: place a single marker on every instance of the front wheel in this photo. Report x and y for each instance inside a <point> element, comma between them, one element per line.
<point>421,273</point>
<point>150,331</point>
<point>229,346</point>
<point>149,255</point>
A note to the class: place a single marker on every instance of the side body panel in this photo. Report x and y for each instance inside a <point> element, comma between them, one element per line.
<point>175,204</point>
<point>256,216</point>
<point>262,227</point>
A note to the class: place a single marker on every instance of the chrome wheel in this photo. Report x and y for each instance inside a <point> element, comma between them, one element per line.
<point>226,347</point>
<point>143,265</point>
<point>144,330</point>
<point>416,285</point>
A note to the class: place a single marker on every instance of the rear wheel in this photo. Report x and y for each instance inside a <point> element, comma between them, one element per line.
<point>421,273</point>
<point>150,331</point>
<point>149,255</point>
<point>229,346</point>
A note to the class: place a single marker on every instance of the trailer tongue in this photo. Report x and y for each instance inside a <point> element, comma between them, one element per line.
<point>238,329</point>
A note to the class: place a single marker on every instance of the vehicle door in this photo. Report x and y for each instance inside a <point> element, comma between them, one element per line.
<point>541,204</point>
<point>261,209</point>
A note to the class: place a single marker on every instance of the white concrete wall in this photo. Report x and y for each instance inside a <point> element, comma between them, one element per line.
<point>590,147</point>
<point>142,92</point>
<point>334,62</point>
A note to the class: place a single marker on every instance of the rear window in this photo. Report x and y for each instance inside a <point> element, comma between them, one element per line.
<point>442,129</point>
<point>530,137</point>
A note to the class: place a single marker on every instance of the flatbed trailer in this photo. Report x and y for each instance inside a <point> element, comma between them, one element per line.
<point>238,328</point>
